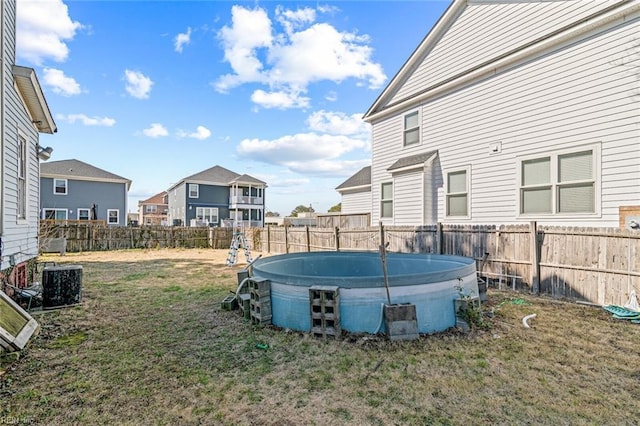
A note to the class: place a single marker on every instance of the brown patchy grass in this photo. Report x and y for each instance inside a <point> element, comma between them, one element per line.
<point>150,344</point>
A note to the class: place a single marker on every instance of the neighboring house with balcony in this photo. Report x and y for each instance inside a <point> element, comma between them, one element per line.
<point>154,211</point>
<point>512,111</point>
<point>25,114</point>
<point>217,197</point>
<point>74,190</point>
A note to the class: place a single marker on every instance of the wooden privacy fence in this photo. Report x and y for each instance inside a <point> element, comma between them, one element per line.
<point>596,265</point>
<point>92,236</point>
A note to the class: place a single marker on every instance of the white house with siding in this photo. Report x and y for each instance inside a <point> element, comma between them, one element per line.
<point>511,111</point>
<point>356,192</point>
<point>23,115</point>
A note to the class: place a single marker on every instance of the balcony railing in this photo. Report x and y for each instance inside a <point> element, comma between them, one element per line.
<point>240,199</point>
<point>230,223</point>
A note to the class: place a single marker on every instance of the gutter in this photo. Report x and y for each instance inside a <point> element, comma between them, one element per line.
<point>615,15</point>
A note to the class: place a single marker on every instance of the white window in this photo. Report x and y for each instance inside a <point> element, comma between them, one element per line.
<point>22,177</point>
<point>411,133</point>
<point>207,214</point>
<point>60,186</point>
<point>386,200</point>
<point>150,208</point>
<point>458,193</point>
<point>113,216</point>
<point>84,214</point>
<point>54,214</point>
<point>194,190</point>
<point>559,183</point>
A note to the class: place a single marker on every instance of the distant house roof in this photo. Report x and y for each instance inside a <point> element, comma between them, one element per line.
<point>411,161</point>
<point>247,179</point>
<point>76,169</point>
<point>361,179</point>
<point>31,92</point>
<point>218,175</point>
<point>156,199</point>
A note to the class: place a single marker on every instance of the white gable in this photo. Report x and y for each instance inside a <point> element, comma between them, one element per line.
<point>474,33</point>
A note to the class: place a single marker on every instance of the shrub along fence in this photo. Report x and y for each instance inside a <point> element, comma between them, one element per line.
<point>595,265</point>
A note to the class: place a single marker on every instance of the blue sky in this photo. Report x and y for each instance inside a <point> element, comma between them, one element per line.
<point>155,91</point>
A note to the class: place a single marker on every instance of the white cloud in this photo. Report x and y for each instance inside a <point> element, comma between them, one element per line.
<point>338,123</point>
<point>250,30</point>
<point>277,181</point>
<point>292,19</point>
<point>306,153</point>
<point>60,83</point>
<point>86,120</point>
<point>201,133</point>
<point>319,152</point>
<point>331,96</point>
<point>281,100</point>
<point>156,130</point>
<point>289,61</point>
<point>182,39</point>
<point>42,30</point>
<point>329,168</point>
<point>321,52</point>
<point>138,84</point>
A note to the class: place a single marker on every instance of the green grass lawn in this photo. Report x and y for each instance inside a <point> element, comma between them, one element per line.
<point>150,344</point>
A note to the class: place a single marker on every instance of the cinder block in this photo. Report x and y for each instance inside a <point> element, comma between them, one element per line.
<point>261,308</point>
<point>261,288</point>
<point>244,301</point>
<point>229,303</point>
<point>326,332</point>
<point>260,319</point>
<point>324,311</point>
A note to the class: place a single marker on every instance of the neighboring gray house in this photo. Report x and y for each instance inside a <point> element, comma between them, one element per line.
<point>24,115</point>
<point>74,190</point>
<point>511,111</point>
<point>356,192</point>
<point>217,197</point>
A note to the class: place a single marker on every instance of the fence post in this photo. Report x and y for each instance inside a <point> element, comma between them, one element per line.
<point>337,235</point>
<point>286,239</point>
<point>268,238</point>
<point>308,239</point>
<point>439,243</point>
<point>534,275</point>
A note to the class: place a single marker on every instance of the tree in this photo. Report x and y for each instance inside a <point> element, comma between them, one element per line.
<point>301,209</point>
<point>272,214</point>
<point>336,208</point>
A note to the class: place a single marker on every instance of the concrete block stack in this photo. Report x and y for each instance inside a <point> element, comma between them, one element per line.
<point>260,301</point>
<point>324,307</point>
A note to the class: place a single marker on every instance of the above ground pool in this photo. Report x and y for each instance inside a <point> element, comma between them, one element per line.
<point>428,281</point>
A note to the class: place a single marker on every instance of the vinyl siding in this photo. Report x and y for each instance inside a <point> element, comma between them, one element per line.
<point>82,194</point>
<point>408,188</point>
<point>209,196</point>
<point>177,203</point>
<point>487,29</point>
<point>577,96</point>
<point>19,237</point>
<point>356,202</point>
